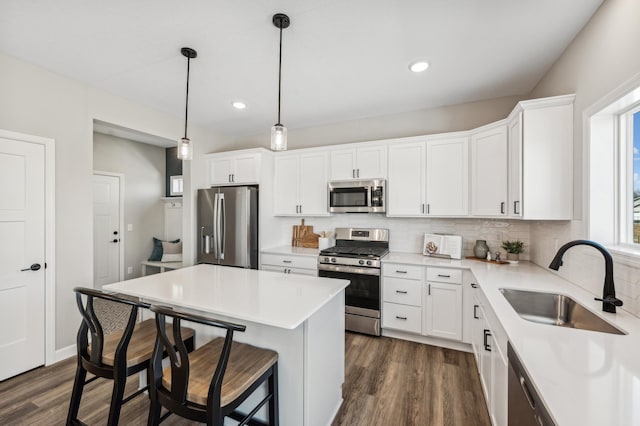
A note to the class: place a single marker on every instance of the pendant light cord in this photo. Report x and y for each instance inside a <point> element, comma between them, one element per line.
<point>280,73</point>
<point>186,106</point>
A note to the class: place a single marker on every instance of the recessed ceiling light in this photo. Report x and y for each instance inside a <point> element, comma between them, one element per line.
<point>239,105</point>
<point>419,66</point>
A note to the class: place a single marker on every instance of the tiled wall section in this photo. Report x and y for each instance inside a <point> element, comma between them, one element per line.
<point>584,266</point>
<point>407,234</point>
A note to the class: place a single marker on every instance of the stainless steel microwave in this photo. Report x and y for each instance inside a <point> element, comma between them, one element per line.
<point>357,196</point>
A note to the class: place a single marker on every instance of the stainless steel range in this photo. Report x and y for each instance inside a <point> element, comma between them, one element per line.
<point>356,257</point>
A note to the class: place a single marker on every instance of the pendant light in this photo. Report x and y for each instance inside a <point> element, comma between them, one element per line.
<point>185,148</point>
<point>278,131</point>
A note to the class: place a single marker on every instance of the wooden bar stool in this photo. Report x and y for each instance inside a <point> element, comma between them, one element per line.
<point>211,382</point>
<point>115,356</point>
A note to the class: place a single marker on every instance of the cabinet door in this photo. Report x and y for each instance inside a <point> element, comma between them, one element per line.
<point>286,184</point>
<point>476,330</point>
<point>443,311</point>
<point>485,360</point>
<point>313,184</point>
<point>499,369</point>
<point>371,162</point>
<point>220,171</point>
<point>246,169</point>
<point>343,164</point>
<point>405,187</point>
<point>448,177</point>
<point>515,166</point>
<point>489,172</point>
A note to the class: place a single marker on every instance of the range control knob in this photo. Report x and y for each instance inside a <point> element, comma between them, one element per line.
<point>361,262</point>
<point>326,259</point>
<point>368,262</point>
<point>333,260</point>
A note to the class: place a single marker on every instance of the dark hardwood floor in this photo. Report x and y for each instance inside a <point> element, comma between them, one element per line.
<point>387,382</point>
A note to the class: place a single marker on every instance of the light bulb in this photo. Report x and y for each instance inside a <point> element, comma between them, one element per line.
<point>278,137</point>
<point>185,149</point>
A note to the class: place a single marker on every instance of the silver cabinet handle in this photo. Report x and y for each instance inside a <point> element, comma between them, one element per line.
<point>401,292</point>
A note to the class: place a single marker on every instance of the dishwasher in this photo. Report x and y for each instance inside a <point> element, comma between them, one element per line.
<point>525,406</point>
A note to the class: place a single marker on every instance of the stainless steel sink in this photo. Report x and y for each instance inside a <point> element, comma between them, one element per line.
<point>556,309</point>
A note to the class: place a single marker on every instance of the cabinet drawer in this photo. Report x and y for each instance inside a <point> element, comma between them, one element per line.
<point>398,290</point>
<point>444,275</point>
<point>402,317</point>
<point>403,271</point>
<point>287,270</point>
<point>290,261</point>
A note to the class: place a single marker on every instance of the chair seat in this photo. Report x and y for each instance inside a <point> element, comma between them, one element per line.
<point>246,364</point>
<point>141,344</point>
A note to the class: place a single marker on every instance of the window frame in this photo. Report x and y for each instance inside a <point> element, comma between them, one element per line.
<point>172,180</point>
<point>625,178</point>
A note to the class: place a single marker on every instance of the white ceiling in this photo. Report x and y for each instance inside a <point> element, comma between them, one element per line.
<point>342,59</point>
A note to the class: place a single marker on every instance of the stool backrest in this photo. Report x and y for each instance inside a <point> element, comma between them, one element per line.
<point>91,325</point>
<point>179,360</point>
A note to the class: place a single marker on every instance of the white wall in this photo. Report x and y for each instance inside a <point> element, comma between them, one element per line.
<point>601,58</point>
<point>143,167</point>
<point>416,123</point>
<point>38,102</point>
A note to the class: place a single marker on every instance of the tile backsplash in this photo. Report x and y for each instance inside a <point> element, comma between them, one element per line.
<point>407,234</point>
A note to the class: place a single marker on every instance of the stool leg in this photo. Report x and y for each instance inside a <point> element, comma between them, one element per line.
<point>76,395</point>
<point>119,382</point>
<point>273,402</point>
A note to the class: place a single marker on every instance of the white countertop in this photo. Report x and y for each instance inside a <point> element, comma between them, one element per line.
<point>270,298</point>
<point>584,377</point>
<point>292,251</point>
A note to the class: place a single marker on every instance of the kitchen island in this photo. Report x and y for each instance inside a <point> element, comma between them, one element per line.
<point>300,317</point>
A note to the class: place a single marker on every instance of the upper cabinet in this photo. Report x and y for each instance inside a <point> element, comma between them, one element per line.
<point>362,162</point>
<point>428,178</point>
<point>234,168</point>
<point>489,171</point>
<point>541,159</point>
<point>301,183</point>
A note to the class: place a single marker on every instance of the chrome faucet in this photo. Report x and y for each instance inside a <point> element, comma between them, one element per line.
<point>609,300</point>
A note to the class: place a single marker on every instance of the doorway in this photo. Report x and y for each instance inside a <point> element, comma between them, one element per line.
<point>27,289</point>
<point>108,214</point>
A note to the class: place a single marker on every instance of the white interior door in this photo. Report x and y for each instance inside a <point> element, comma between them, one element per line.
<point>106,230</point>
<point>22,286</point>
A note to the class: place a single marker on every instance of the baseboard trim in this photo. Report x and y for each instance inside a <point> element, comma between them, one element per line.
<point>434,341</point>
<point>64,353</point>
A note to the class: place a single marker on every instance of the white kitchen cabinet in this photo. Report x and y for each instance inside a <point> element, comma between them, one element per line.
<point>489,172</point>
<point>442,315</point>
<point>402,297</point>
<point>301,184</point>
<point>428,178</point>
<point>290,264</point>
<point>235,168</point>
<point>406,183</point>
<point>489,346</point>
<point>362,162</point>
<point>447,174</point>
<point>540,134</point>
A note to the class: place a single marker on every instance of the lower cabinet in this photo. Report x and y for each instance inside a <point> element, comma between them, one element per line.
<point>489,347</point>
<point>289,264</point>
<point>422,300</point>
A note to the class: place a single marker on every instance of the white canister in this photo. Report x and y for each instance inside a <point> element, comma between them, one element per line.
<point>325,243</point>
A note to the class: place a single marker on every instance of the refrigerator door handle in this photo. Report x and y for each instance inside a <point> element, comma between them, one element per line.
<point>205,242</point>
<point>223,225</point>
<point>215,225</point>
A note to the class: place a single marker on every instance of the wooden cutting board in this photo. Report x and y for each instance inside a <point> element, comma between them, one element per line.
<point>303,236</point>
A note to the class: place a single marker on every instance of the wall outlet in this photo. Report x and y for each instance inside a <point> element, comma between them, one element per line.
<point>129,270</point>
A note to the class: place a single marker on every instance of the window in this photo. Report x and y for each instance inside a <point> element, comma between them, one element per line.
<point>175,186</point>
<point>635,138</point>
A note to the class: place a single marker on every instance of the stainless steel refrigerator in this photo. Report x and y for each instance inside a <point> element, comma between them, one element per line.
<point>228,226</point>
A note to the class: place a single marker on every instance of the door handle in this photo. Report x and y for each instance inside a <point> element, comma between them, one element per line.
<point>223,225</point>
<point>34,267</point>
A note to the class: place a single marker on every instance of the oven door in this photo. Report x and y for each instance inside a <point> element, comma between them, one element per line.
<point>362,296</point>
